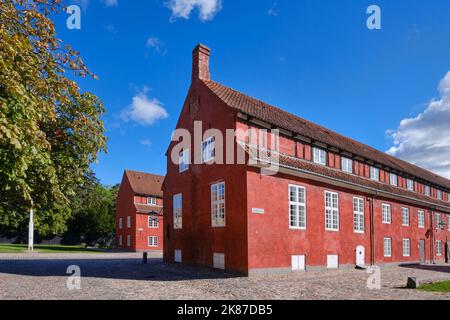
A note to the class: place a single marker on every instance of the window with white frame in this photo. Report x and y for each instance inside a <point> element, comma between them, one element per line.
<point>128,222</point>
<point>120,223</point>
<point>386,213</point>
<point>153,222</point>
<point>184,160</point>
<point>178,211</point>
<point>151,201</point>
<point>439,248</point>
<point>208,151</point>
<point>406,247</point>
<point>410,184</point>
<point>331,211</point>
<point>405,216</point>
<point>421,219</point>
<point>393,179</point>
<point>374,173</point>
<point>128,240</point>
<point>319,156</point>
<point>427,190</point>
<point>358,215</point>
<point>218,204</point>
<point>387,247</point>
<point>438,220</point>
<point>120,240</point>
<point>347,165</point>
<point>297,207</point>
<point>152,241</point>
<point>439,194</point>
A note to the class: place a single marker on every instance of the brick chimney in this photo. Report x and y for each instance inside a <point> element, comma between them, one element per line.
<point>200,63</point>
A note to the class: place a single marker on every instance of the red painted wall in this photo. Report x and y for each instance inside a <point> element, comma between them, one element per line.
<point>139,230</point>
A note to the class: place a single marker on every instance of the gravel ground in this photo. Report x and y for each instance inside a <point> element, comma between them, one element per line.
<point>123,276</point>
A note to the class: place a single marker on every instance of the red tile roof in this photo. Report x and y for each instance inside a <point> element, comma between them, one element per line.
<point>297,125</point>
<point>308,166</point>
<point>145,183</point>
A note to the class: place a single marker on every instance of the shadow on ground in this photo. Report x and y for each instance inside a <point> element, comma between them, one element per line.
<point>124,269</point>
<point>429,267</point>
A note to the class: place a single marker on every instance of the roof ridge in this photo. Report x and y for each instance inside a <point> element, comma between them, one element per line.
<point>396,162</point>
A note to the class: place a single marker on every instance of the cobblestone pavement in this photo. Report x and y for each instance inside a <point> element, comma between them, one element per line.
<point>124,276</point>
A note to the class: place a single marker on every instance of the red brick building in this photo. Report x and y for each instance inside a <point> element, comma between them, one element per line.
<point>334,202</point>
<point>139,212</point>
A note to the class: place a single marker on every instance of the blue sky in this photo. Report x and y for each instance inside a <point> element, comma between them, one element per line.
<point>315,58</point>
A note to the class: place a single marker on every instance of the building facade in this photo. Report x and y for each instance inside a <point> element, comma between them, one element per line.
<point>139,212</point>
<point>280,193</point>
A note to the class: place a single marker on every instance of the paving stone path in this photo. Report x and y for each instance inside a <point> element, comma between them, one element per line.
<point>124,276</point>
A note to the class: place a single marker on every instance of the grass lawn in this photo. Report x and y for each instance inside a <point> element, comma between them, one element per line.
<point>443,286</point>
<point>18,248</point>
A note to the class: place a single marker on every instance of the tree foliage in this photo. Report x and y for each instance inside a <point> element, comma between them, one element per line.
<point>50,131</point>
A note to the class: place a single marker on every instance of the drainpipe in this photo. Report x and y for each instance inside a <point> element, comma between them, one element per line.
<point>432,238</point>
<point>372,229</point>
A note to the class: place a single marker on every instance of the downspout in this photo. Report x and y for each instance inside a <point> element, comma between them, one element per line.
<point>372,229</point>
<point>432,238</point>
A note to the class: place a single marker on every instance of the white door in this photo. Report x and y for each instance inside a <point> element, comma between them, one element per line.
<point>298,263</point>
<point>332,261</point>
<point>360,256</point>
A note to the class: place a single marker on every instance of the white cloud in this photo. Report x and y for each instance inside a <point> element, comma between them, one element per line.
<point>143,110</point>
<point>207,9</point>
<point>111,3</point>
<point>425,139</point>
<point>156,44</point>
<point>146,143</point>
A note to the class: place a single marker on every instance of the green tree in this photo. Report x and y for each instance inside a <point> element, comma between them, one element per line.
<point>50,131</point>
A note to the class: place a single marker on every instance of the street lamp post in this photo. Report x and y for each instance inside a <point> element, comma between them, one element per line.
<point>31,229</point>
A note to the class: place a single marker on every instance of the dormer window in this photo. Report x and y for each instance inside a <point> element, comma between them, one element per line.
<point>347,165</point>
<point>439,194</point>
<point>375,173</point>
<point>393,179</point>
<point>427,190</point>
<point>410,184</point>
<point>320,156</point>
<point>151,201</point>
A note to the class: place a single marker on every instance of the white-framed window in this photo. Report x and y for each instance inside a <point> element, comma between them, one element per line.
<point>406,247</point>
<point>218,204</point>
<point>319,156</point>
<point>387,247</point>
<point>410,184</point>
<point>421,219</point>
<point>208,149</point>
<point>129,222</point>
<point>438,220</point>
<point>358,215</point>
<point>375,173</point>
<point>347,165</point>
<point>153,222</point>
<point>128,240</point>
<point>427,190</point>
<point>386,213</point>
<point>393,179</point>
<point>405,217</point>
<point>297,207</point>
<point>151,201</point>
<point>120,240</point>
<point>331,211</point>
<point>439,194</point>
<point>184,160</point>
<point>219,261</point>
<point>152,241</point>
<point>439,248</point>
<point>178,256</point>
<point>178,211</point>
<point>120,223</point>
